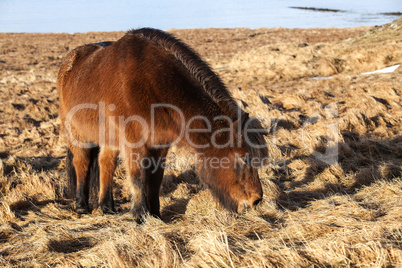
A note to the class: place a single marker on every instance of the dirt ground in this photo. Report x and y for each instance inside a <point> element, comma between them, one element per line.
<point>332,188</point>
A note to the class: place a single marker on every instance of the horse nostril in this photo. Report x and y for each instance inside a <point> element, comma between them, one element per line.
<point>256,202</point>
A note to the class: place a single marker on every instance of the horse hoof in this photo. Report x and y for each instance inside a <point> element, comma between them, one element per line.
<point>139,215</point>
<point>140,220</point>
<point>108,210</point>
<point>82,210</point>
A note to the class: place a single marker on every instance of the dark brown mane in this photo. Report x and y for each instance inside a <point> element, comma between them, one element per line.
<point>209,80</point>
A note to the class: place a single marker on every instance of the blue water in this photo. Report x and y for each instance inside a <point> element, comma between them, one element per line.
<point>120,15</point>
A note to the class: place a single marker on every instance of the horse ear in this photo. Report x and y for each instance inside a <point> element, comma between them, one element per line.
<point>243,120</point>
<point>240,124</point>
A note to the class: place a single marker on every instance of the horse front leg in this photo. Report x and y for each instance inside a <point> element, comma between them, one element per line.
<point>154,174</point>
<point>137,178</point>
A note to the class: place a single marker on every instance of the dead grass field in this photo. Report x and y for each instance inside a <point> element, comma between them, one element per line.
<point>333,188</point>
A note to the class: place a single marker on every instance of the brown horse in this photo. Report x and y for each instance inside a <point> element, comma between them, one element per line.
<point>137,97</point>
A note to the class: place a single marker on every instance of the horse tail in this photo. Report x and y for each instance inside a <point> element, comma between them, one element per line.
<point>92,177</point>
<point>71,176</point>
<point>210,81</point>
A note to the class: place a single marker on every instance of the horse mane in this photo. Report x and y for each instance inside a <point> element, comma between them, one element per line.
<point>210,81</point>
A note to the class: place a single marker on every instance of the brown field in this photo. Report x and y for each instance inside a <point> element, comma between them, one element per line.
<point>333,188</point>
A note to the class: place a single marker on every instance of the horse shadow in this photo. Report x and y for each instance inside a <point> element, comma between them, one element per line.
<point>32,203</point>
<point>178,208</point>
<point>368,159</point>
<point>41,163</point>
<point>38,164</point>
<point>22,208</point>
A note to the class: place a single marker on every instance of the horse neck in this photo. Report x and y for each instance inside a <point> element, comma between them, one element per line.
<point>210,127</point>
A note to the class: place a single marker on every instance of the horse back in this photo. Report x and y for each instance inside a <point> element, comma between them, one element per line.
<point>130,70</point>
<point>131,75</point>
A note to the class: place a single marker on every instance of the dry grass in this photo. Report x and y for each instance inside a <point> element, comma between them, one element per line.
<point>333,189</point>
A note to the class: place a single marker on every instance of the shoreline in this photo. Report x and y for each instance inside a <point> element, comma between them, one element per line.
<point>199,28</point>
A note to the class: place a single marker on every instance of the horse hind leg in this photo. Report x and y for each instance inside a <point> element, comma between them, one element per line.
<point>82,166</point>
<point>107,163</point>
